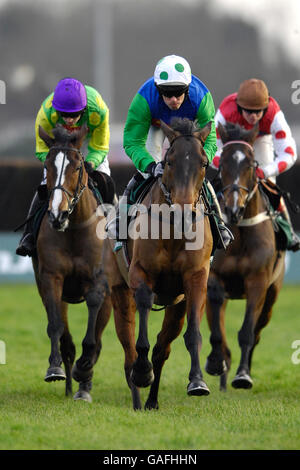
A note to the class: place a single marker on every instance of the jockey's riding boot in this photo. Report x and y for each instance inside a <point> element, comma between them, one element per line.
<point>295,242</point>
<point>225,235</point>
<point>27,243</point>
<point>117,228</point>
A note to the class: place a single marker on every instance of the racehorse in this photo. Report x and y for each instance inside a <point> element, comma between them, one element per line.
<point>252,267</point>
<point>67,263</point>
<point>164,269</point>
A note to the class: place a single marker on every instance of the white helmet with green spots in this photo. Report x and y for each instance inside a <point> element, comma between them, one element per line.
<point>172,70</point>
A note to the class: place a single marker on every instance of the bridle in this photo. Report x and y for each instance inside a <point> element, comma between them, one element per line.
<point>72,199</point>
<point>236,187</point>
<point>165,191</point>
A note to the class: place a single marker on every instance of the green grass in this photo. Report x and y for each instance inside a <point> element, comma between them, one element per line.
<point>37,415</point>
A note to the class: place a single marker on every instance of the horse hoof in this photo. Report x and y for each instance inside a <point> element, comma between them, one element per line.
<point>198,388</point>
<point>142,380</point>
<point>55,373</point>
<point>151,405</point>
<point>215,367</point>
<point>242,381</point>
<point>83,395</point>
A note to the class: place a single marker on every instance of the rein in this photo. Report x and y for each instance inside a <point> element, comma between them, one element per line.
<point>237,188</point>
<point>72,199</point>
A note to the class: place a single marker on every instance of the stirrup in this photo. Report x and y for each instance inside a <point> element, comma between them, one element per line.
<point>227,236</point>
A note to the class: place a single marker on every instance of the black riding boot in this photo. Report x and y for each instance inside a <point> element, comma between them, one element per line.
<point>27,243</point>
<point>224,234</point>
<point>295,242</point>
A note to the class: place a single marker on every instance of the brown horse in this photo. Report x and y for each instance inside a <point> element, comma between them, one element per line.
<point>164,268</point>
<point>251,268</point>
<point>67,265</point>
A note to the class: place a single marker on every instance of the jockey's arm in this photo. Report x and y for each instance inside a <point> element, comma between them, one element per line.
<point>98,144</point>
<point>136,131</point>
<point>219,118</point>
<point>42,150</point>
<point>284,147</point>
<point>206,114</point>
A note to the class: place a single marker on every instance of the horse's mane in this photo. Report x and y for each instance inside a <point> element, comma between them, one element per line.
<point>184,125</point>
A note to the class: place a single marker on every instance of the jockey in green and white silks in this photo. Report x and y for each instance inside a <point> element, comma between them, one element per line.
<point>172,92</point>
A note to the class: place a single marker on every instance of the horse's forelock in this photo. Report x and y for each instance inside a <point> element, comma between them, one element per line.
<point>184,125</point>
<point>235,131</point>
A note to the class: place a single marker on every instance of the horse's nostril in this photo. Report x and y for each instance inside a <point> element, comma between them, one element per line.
<point>63,216</point>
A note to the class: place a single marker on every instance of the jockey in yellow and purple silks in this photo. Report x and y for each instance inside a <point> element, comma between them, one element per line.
<point>72,104</point>
<point>172,92</point>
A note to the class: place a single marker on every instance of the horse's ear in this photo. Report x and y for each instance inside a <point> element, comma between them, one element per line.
<point>168,131</point>
<point>45,137</point>
<point>252,134</point>
<point>223,133</point>
<point>203,133</point>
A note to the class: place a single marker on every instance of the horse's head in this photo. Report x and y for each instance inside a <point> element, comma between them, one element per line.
<point>185,161</point>
<point>66,175</point>
<point>237,169</point>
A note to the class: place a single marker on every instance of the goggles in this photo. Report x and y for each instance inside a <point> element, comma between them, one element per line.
<point>71,115</point>
<point>253,111</point>
<point>170,91</point>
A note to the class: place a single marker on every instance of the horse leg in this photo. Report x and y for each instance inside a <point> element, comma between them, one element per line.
<point>256,293</point>
<point>266,314</point>
<point>171,328</point>
<point>124,314</point>
<point>83,369</point>
<point>142,370</point>
<point>215,310</point>
<point>51,292</point>
<point>196,286</point>
<point>103,317</point>
<point>67,348</point>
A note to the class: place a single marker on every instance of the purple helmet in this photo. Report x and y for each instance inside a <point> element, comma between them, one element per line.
<point>69,96</point>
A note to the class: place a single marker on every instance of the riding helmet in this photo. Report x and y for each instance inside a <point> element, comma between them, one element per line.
<point>69,96</point>
<point>253,94</point>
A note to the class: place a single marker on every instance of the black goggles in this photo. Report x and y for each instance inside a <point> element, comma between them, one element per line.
<point>253,111</point>
<point>71,115</point>
<point>169,91</point>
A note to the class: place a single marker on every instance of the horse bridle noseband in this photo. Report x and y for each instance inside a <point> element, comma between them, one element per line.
<point>236,187</point>
<point>72,199</point>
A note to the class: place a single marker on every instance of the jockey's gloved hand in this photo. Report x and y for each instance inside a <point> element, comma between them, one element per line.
<point>259,173</point>
<point>155,169</point>
<point>89,167</point>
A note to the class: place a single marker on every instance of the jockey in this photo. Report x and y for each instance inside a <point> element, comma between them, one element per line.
<point>172,92</point>
<point>274,148</point>
<point>72,104</point>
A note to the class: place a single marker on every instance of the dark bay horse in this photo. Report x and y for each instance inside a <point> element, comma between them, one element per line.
<point>165,269</point>
<point>67,265</point>
<point>251,268</point>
